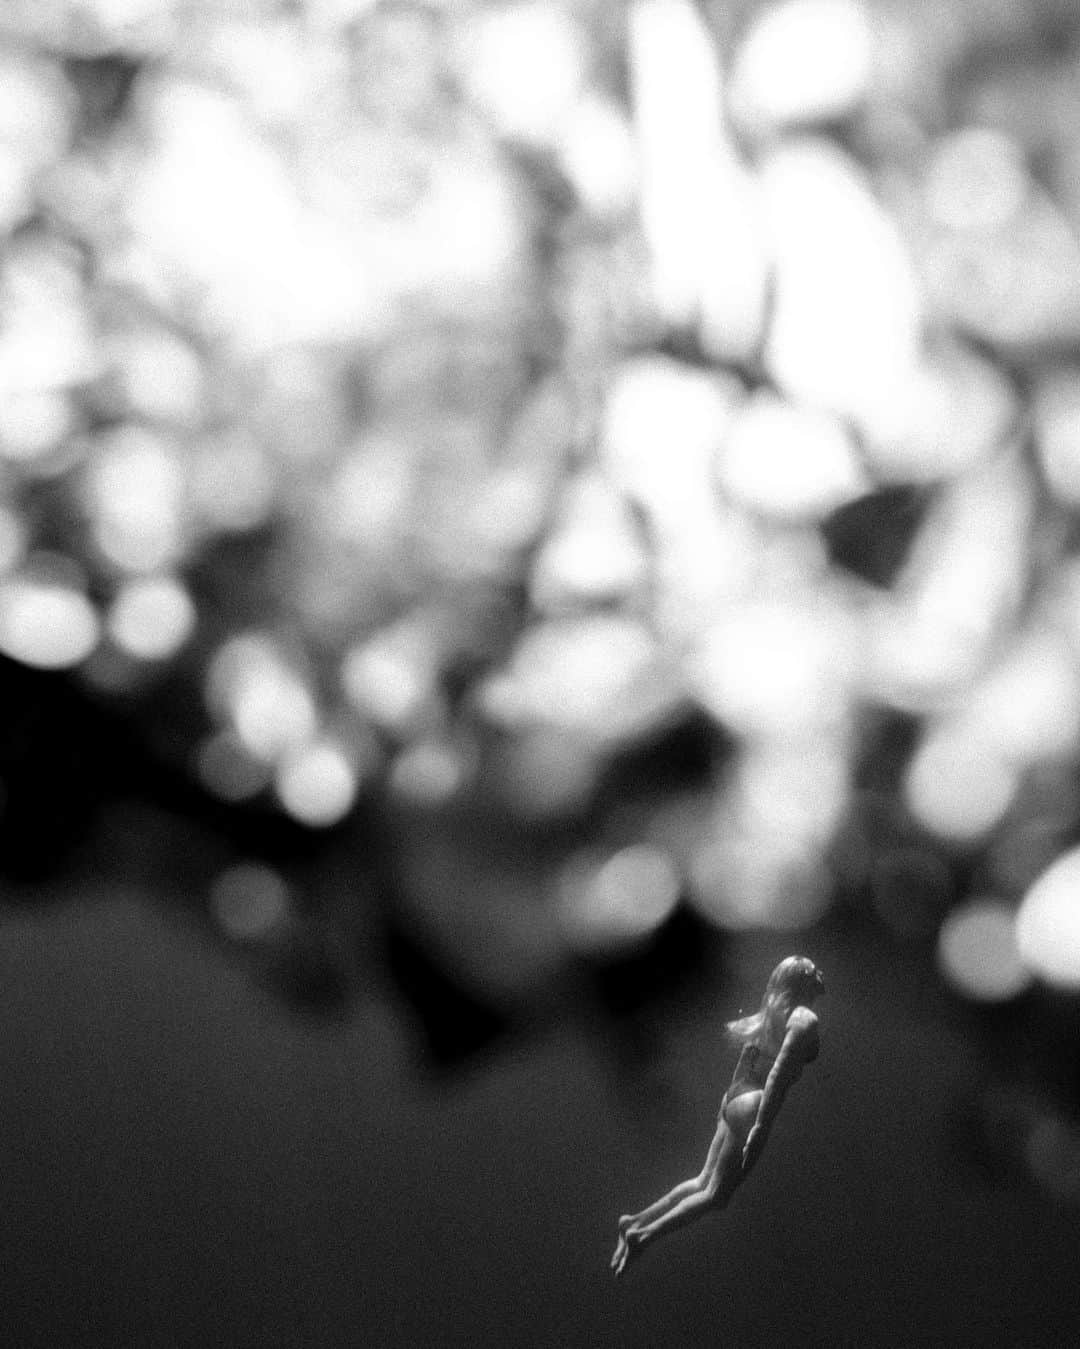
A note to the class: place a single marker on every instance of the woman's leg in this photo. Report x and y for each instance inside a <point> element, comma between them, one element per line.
<point>719,1182</point>
<point>684,1190</point>
<point>667,1201</point>
<point>630,1220</point>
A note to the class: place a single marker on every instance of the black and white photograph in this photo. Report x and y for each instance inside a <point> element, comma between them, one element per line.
<point>539,674</point>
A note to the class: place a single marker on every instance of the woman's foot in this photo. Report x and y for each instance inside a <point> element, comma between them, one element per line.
<point>619,1258</point>
<point>630,1243</point>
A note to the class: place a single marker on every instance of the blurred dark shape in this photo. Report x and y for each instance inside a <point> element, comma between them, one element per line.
<point>56,765</point>
<point>887,745</point>
<point>1053,1156</point>
<point>1010,1134</point>
<point>103,85</point>
<point>454,1023</point>
<point>689,752</point>
<point>910,890</point>
<point>989,1130</point>
<point>313,969</point>
<point>668,967</point>
<point>871,537</point>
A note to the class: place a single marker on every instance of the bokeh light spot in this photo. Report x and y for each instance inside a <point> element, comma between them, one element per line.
<point>391,679</point>
<point>152,617</point>
<point>977,180</point>
<point>663,424</point>
<point>801,62</point>
<point>228,771</point>
<point>231,482</point>
<point>747,879</point>
<point>1048,923</point>
<point>607,908</point>
<point>787,462</point>
<point>46,623</point>
<point>592,554</point>
<point>1056,412</point>
<point>598,155</point>
<point>977,952</point>
<point>773,667</point>
<point>135,485</point>
<point>429,772</point>
<point>34,422</point>
<point>316,784</point>
<point>957,786</point>
<point>249,902</point>
<point>847,317</point>
<point>269,705</point>
<point>524,64</point>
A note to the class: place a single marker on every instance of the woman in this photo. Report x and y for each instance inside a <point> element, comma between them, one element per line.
<point>780,1037</point>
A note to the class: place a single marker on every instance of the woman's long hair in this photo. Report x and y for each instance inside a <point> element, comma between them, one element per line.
<point>787,984</point>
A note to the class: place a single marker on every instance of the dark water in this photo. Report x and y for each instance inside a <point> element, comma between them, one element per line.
<point>187,1163</point>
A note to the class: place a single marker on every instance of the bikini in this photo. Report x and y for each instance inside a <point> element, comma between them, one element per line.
<point>751,1074</point>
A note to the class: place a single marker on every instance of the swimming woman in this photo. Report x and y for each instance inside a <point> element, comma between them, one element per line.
<point>777,1041</point>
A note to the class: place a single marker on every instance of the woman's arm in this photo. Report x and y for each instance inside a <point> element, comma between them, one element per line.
<point>801,1044</point>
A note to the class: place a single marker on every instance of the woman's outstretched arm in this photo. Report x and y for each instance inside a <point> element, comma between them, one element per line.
<point>800,1047</point>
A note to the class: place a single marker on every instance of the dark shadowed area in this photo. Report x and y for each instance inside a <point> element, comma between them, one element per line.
<point>184,1162</point>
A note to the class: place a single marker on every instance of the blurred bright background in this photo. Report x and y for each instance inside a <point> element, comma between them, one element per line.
<point>513,517</point>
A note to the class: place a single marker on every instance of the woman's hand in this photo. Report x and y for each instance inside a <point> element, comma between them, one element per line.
<point>755,1145</point>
